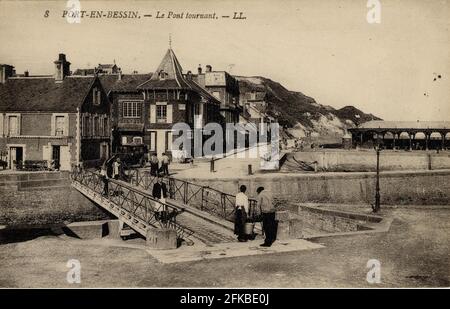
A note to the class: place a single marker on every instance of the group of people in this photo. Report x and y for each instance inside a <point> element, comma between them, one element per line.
<point>116,171</point>
<point>160,193</point>
<point>155,168</point>
<point>264,202</point>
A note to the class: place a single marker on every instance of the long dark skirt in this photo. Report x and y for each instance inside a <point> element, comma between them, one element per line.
<point>239,222</point>
<point>153,169</point>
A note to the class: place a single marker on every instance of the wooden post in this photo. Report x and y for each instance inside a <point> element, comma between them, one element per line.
<point>250,169</point>
<point>443,140</point>
<point>393,145</point>
<point>410,141</point>
<point>185,199</point>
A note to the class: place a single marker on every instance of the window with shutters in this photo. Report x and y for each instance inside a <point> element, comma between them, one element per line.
<point>59,125</point>
<point>131,109</point>
<point>13,125</point>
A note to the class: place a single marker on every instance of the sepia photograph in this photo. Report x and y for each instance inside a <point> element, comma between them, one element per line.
<point>225,144</point>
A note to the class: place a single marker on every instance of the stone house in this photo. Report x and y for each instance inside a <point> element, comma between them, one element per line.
<point>59,118</point>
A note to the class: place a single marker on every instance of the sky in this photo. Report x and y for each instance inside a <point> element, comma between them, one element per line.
<point>324,49</point>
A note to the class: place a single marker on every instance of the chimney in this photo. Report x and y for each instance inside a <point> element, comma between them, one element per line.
<point>26,74</point>
<point>189,75</point>
<point>208,68</point>
<point>6,71</point>
<point>199,69</point>
<point>62,68</point>
<point>119,75</point>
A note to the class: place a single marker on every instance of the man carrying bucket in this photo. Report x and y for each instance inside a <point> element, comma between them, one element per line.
<point>241,213</point>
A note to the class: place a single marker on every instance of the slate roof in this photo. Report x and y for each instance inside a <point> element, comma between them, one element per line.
<point>128,82</point>
<point>174,79</point>
<point>43,94</point>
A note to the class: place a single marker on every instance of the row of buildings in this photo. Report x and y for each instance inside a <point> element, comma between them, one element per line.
<point>69,119</point>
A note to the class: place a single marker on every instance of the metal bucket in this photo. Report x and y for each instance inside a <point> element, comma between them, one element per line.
<point>248,228</point>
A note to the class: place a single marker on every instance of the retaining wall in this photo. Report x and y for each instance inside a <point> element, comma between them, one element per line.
<point>43,198</point>
<point>400,187</point>
<point>352,160</point>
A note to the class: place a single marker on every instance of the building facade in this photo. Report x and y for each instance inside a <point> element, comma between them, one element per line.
<point>224,88</point>
<point>146,112</point>
<point>60,119</point>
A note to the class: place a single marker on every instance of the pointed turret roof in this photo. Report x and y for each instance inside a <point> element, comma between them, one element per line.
<point>168,75</point>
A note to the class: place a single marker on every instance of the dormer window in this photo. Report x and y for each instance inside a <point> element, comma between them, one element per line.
<point>162,75</point>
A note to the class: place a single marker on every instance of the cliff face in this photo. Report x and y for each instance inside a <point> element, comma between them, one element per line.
<point>300,114</point>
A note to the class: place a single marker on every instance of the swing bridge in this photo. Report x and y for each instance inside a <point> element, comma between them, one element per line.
<point>195,212</point>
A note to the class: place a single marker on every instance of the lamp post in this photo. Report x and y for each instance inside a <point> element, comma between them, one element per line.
<point>377,205</point>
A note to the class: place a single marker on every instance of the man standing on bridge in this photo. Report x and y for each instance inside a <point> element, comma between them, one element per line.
<point>268,212</point>
<point>154,165</point>
<point>104,175</point>
<point>165,164</point>
<point>116,169</point>
<point>241,212</point>
<point>159,191</point>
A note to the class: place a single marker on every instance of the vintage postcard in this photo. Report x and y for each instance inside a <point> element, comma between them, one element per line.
<point>256,144</point>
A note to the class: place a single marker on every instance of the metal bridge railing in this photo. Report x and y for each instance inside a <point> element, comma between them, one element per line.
<point>213,201</point>
<point>141,208</point>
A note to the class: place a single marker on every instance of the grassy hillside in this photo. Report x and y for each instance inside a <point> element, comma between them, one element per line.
<point>298,111</point>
